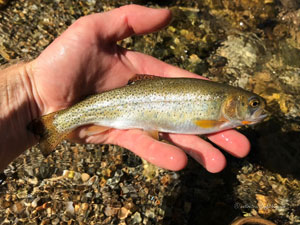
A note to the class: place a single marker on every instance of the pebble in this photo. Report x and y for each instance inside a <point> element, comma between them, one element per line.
<point>49,211</point>
<point>84,206</point>
<point>92,180</point>
<point>111,211</point>
<point>166,179</point>
<point>34,203</point>
<point>123,213</point>
<point>150,213</point>
<point>70,208</point>
<point>33,181</point>
<point>23,193</point>
<point>55,221</point>
<point>77,208</point>
<point>128,189</point>
<point>18,207</point>
<point>85,177</point>
<point>136,218</point>
<point>113,182</point>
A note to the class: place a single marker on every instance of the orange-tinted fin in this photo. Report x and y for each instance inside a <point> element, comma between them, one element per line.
<point>49,137</point>
<point>208,123</point>
<point>245,122</point>
<point>95,129</point>
<point>139,77</point>
<point>154,134</point>
<point>85,131</point>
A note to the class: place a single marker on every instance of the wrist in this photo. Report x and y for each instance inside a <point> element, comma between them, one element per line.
<point>17,109</point>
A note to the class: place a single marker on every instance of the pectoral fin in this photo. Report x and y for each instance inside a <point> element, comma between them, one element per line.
<point>245,122</point>
<point>208,123</point>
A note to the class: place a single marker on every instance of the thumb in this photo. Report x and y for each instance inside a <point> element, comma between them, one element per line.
<point>128,20</point>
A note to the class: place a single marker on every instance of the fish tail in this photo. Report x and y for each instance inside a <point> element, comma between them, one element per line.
<point>49,136</point>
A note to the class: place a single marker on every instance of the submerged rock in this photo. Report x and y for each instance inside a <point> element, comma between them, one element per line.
<point>268,194</point>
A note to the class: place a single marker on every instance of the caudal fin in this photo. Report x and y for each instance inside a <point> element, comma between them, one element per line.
<point>48,135</point>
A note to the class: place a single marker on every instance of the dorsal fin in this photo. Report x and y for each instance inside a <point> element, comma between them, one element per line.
<point>139,77</point>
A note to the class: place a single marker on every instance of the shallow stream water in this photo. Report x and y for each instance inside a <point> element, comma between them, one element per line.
<point>252,44</point>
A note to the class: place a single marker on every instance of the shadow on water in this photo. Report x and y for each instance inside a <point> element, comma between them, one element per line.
<point>274,149</point>
<point>202,198</point>
<point>205,198</point>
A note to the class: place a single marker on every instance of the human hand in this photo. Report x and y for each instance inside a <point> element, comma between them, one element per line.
<point>85,60</point>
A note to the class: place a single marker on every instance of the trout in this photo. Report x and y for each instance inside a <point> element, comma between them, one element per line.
<point>155,104</point>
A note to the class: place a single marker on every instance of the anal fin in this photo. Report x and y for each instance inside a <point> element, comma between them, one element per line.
<point>154,134</point>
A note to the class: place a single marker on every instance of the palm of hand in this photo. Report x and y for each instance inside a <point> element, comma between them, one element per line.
<point>85,59</point>
<point>75,65</point>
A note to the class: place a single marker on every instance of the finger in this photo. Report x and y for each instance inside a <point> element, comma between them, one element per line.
<point>232,141</point>
<point>156,152</point>
<point>203,152</point>
<point>145,64</point>
<point>128,20</point>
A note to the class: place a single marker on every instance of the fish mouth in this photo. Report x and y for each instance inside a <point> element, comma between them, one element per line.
<point>260,115</point>
<point>257,116</point>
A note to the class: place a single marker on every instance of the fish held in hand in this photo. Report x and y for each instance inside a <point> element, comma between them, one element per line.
<point>155,104</point>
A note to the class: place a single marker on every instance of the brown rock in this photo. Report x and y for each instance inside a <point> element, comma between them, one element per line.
<point>85,177</point>
<point>123,213</point>
<point>111,211</point>
<point>18,207</point>
<point>265,204</point>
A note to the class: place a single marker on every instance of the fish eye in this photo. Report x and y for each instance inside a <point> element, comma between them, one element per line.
<point>254,103</point>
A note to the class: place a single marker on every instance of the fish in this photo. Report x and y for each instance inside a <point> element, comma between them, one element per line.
<point>155,104</point>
